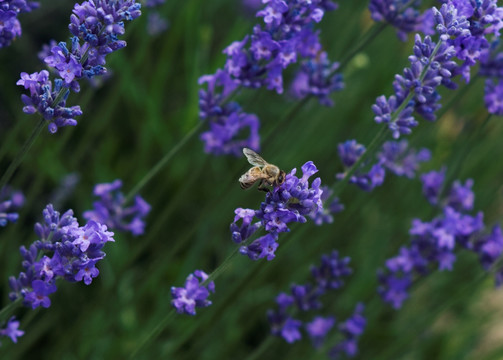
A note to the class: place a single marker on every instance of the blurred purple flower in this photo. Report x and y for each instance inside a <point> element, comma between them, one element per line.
<point>433,243</point>
<point>329,275</point>
<point>351,329</point>
<point>194,294</point>
<point>10,27</point>
<point>403,15</point>
<point>494,97</point>
<point>258,60</point>
<point>110,209</point>
<point>317,77</point>
<point>12,330</point>
<point>10,202</point>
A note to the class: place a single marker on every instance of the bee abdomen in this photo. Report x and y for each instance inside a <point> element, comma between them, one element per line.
<point>244,185</point>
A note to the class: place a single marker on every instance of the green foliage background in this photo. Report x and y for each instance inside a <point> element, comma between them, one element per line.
<point>146,107</point>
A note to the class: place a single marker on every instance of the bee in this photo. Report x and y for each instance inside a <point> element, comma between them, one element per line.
<point>262,171</point>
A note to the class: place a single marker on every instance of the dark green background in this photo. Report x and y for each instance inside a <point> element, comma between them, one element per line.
<point>146,107</point>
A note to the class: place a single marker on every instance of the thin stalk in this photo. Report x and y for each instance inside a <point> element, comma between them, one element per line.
<point>161,163</point>
<point>21,154</point>
<point>8,310</point>
<point>154,333</point>
<point>366,39</point>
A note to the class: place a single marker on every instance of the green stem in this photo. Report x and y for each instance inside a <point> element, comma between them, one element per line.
<point>8,310</point>
<point>158,167</point>
<point>21,154</point>
<point>367,38</point>
<point>263,347</point>
<point>154,333</point>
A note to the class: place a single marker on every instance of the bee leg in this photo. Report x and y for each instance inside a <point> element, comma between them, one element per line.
<point>262,187</point>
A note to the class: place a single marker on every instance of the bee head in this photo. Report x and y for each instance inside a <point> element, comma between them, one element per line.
<point>281,177</point>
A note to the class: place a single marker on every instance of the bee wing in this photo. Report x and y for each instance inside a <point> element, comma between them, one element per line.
<point>254,158</point>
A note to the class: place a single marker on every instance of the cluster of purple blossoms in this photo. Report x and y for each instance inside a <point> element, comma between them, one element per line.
<point>395,156</point>
<point>10,28</point>
<point>462,27</point>
<point>12,330</point>
<point>306,298</point>
<point>110,209</point>
<point>10,202</point>
<point>258,61</point>
<point>194,294</point>
<point>403,15</point>
<point>290,202</point>
<point>317,77</point>
<point>95,26</point>
<point>491,67</point>
<point>433,243</point>
<point>64,250</point>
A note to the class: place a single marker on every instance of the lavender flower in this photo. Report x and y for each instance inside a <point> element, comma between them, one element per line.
<point>307,298</point>
<point>351,329</point>
<point>10,27</point>
<point>432,185</point>
<point>194,294</point>
<point>12,330</point>
<point>349,152</point>
<point>493,97</point>
<point>397,157</point>
<point>95,26</point>
<point>462,28</point>
<point>258,60</point>
<point>64,250</point>
<point>433,243</point>
<point>290,202</point>
<point>319,328</point>
<point>490,248</point>
<point>403,15</point>
<point>317,77</point>
<point>110,209</point>
<point>10,202</point>
<point>394,156</point>
<point>156,24</point>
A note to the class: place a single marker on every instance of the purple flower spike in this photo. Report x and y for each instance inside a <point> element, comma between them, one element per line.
<point>12,330</point>
<point>290,202</point>
<point>186,299</point>
<point>463,29</point>
<point>110,209</point>
<point>95,26</point>
<point>64,250</point>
